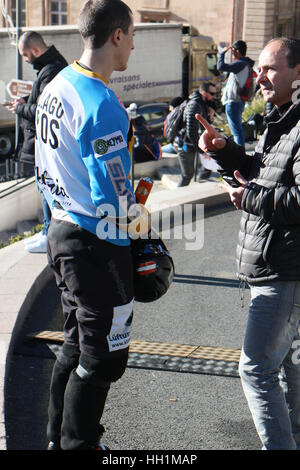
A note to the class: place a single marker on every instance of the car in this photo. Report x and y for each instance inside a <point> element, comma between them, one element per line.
<point>155,115</point>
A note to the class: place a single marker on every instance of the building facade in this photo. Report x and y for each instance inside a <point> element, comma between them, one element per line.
<point>255,21</point>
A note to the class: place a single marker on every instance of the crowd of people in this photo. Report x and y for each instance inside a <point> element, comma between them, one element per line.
<point>237,75</point>
<point>94,272</point>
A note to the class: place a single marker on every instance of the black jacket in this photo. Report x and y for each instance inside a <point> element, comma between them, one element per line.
<point>192,126</point>
<point>269,238</point>
<point>47,65</point>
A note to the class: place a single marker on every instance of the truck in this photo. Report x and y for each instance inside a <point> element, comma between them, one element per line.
<point>169,60</point>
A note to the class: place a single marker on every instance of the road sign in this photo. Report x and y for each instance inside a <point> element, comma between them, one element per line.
<point>19,88</point>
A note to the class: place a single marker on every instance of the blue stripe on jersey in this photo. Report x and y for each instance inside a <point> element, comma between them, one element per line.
<point>103,143</point>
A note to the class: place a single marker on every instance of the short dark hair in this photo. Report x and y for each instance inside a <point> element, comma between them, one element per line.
<point>292,46</point>
<point>240,46</point>
<point>99,18</point>
<point>205,86</point>
<point>176,101</point>
<point>31,39</point>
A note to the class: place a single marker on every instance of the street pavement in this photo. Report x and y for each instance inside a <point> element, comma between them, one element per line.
<point>167,409</point>
<point>153,406</point>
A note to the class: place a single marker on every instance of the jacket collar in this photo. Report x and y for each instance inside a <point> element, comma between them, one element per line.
<point>283,115</point>
<point>196,96</point>
<point>278,122</point>
<point>45,58</point>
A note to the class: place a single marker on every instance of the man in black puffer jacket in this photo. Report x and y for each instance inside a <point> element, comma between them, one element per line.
<point>48,62</point>
<point>268,252</point>
<point>199,102</point>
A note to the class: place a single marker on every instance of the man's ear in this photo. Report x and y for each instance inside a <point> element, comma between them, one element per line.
<point>36,51</point>
<point>116,36</point>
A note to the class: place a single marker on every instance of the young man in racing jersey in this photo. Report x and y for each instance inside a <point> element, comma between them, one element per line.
<point>82,167</point>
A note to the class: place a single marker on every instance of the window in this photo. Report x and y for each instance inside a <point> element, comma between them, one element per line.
<point>155,114</point>
<point>285,28</point>
<point>286,14</point>
<point>211,62</point>
<point>58,13</point>
<point>154,11</point>
<point>13,12</point>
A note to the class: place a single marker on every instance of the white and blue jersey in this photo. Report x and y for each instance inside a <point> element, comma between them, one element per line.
<point>82,157</point>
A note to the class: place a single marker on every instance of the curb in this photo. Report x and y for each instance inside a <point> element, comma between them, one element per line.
<point>20,200</point>
<point>22,276</point>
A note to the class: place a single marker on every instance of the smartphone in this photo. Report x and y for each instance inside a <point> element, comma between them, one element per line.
<point>6,103</point>
<point>231,180</point>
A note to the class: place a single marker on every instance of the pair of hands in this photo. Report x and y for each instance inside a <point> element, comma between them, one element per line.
<point>226,49</point>
<point>12,106</point>
<point>212,141</point>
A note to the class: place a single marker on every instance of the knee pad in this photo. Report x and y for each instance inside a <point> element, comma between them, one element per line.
<point>101,372</point>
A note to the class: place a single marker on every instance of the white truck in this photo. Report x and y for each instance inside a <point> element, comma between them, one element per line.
<point>169,60</point>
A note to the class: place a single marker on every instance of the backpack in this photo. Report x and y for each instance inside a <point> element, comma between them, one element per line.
<point>146,146</point>
<point>174,122</point>
<point>247,91</point>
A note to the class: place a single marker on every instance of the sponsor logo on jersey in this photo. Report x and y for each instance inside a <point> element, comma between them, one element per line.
<point>118,178</point>
<point>108,144</point>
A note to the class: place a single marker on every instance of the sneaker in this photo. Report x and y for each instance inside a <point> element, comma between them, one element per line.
<point>38,246</point>
<point>56,446</point>
<point>101,446</point>
<point>32,239</point>
<point>53,446</point>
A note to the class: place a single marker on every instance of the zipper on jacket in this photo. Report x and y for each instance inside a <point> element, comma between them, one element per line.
<point>242,287</point>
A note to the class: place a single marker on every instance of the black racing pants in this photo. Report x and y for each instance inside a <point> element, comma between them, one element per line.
<point>96,284</point>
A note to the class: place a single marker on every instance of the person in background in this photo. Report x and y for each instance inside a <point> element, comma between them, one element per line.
<point>200,102</point>
<point>146,146</point>
<point>168,148</point>
<point>265,185</point>
<point>238,72</point>
<point>48,62</point>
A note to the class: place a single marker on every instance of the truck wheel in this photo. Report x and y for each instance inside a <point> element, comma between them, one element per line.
<point>6,145</point>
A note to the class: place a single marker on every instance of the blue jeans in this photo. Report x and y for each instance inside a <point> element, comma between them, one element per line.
<point>234,111</point>
<point>46,214</point>
<point>270,363</point>
<point>46,210</point>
